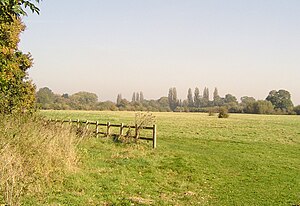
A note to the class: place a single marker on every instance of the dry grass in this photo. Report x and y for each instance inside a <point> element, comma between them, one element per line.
<point>32,156</point>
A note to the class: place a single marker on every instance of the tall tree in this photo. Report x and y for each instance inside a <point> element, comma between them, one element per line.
<point>172,97</point>
<point>190,98</point>
<point>281,99</point>
<point>17,93</point>
<point>119,100</point>
<point>205,98</point>
<point>133,97</point>
<point>141,97</point>
<point>206,94</point>
<point>197,97</point>
<point>137,97</point>
<point>217,100</point>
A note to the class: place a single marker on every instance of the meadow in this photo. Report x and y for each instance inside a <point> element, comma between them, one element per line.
<point>199,160</point>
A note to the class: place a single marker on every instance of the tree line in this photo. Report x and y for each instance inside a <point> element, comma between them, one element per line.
<point>277,102</point>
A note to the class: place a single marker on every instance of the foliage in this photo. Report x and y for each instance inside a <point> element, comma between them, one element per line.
<point>190,98</point>
<point>297,109</point>
<point>11,9</point>
<point>16,91</point>
<point>172,97</point>
<point>197,97</point>
<point>223,112</point>
<point>281,99</point>
<point>32,156</point>
<point>138,103</point>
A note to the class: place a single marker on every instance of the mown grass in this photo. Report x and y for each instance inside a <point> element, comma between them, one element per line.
<point>200,160</point>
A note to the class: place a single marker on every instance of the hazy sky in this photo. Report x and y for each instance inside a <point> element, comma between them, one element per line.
<point>242,47</point>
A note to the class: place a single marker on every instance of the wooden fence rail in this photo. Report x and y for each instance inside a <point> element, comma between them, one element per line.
<point>108,126</point>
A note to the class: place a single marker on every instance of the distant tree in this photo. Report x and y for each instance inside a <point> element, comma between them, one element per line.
<point>119,98</point>
<point>85,97</point>
<point>133,97</point>
<point>197,97</point>
<point>141,97</point>
<point>230,98</point>
<point>281,100</point>
<point>205,98</point>
<point>83,100</point>
<point>263,107</point>
<point>190,101</point>
<point>45,97</point>
<point>217,100</point>
<point>108,105</point>
<point>206,94</point>
<point>172,97</point>
<point>123,105</point>
<point>137,97</point>
<point>247,104</point>
<point>297,109</point>
<point>163,104</point>
<point>65,95</point>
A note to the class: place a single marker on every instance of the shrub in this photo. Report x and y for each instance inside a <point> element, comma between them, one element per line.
<point>297,109</point>
<point>32,155</point>
<point>223,113</point>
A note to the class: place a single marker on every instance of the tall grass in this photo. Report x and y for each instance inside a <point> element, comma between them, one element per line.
<point>33,154</point>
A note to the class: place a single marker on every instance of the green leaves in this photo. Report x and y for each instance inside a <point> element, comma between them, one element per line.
<point>10,9</point>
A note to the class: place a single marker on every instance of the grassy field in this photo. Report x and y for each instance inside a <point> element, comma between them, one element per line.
<point>199,160</point>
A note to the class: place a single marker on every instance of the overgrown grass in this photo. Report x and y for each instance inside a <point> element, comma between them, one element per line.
<point>199,160</point>
<point>33,155</point>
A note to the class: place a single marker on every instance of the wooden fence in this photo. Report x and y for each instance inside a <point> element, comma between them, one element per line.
<point>108,126</point>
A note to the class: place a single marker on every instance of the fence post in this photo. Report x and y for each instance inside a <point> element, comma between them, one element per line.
<point>136,131</point>
<point>87,124</point>
<point>97,128</point>
<point>108,129</point>
<point>154,136</point>
<point>70,122</point>
<point>78,121</point>
<point>121,129</point>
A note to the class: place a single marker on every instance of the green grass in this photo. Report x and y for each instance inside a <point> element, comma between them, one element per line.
<point>199,160</point>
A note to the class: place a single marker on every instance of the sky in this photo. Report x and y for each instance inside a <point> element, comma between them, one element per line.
<point>242,47</point>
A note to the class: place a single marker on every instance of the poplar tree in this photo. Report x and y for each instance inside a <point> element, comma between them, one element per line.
<point>133,97</point>
<point>197,97</point>
<point>190,98</point>
<point>141,97</point>
<point>172,97</point>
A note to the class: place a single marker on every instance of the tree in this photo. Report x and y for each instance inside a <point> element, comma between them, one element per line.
<point>247,104</point>
<point>17,93</point>
<point>229,98</point>
<point>205,99</point>
<point>297,109</point>
<point>141,97</point>
<point>197,97</point>
<point>217,100</point>
<point>281,100</point>
<point>172,97</point>
<point>45,97</point>
<point>190,101</point>
<point>12,9</point>
<point>263,107</point>
<point>119,98</point>
<point>133,97</point>
<point>137,97</point>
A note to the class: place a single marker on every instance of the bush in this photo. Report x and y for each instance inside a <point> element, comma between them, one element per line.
<point>223,113</point>
<point>32,155</point>
<point>297,109</point>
